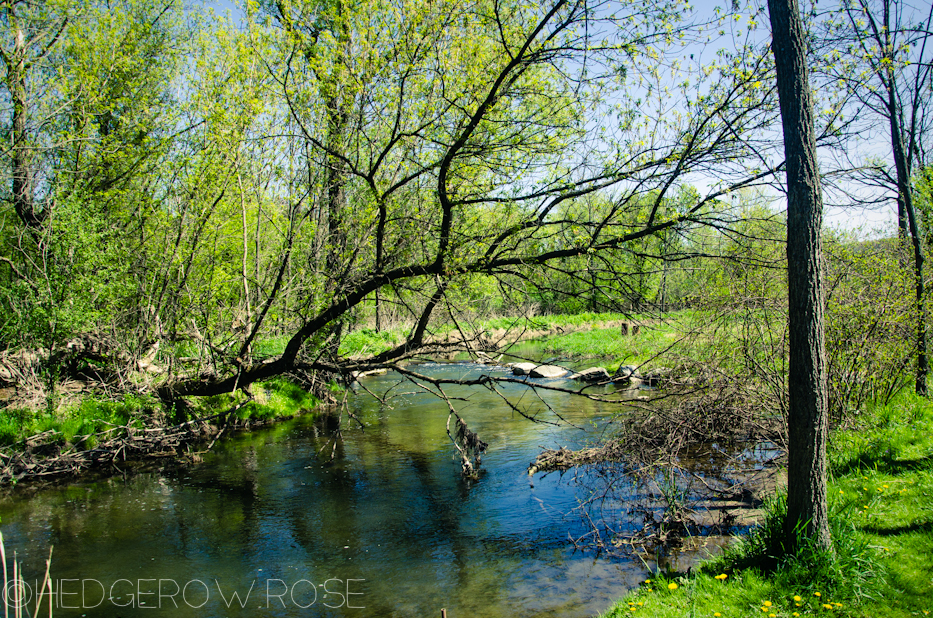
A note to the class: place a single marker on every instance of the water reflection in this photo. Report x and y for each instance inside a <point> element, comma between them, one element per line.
<point>388,521</point>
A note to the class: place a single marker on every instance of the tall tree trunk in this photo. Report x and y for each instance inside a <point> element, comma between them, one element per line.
<point>21,170</point>
<point>807,506</point>
<point>337,107</point>
<point>908,215</point>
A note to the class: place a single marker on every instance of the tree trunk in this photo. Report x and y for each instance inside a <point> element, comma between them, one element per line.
<point>905,209</point>
<point>807,506</point>
<point>22,156</point>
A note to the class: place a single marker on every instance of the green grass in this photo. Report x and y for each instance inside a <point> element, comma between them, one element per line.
<point>599,343</point>
<point>537,322</point>
<point>881,497</point>
<point>606,343</point>
<point>90,416</point>
<point>274,398</point>
<point>367,341</point>
<point>610,346</point>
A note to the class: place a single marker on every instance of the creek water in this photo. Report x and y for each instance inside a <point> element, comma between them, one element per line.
<point>387,528</point>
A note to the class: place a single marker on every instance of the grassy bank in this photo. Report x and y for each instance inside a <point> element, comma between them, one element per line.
<point>580,337</point>
<point>881,492</point>
<point>367,341</point>
<point>94,433</point>
<point>271,399</point>
<point>611,347</point>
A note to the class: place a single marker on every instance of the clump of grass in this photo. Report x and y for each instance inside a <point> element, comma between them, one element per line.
<point>89,416</point>
<point>850,570</point>
<point>279,397</point>
<point>270,346</point>
<point>274,398</point>
<point>367,341</point>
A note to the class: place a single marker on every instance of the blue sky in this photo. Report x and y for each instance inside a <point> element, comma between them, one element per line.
<point>871,220</point>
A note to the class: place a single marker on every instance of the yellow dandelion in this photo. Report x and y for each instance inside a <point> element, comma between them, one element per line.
<point>795,614</point>
<point>838,604</point>
<point>798,598</point>
<point>772,615</point>
<point>716,614</point>
<point>647,581</point>
<point>640,603</point>
<point>827,606</point>
<point>632,609</point>
<point>817,594</point>
<point>767,603</point>
<point>885,486</point>
<point>672,586</point>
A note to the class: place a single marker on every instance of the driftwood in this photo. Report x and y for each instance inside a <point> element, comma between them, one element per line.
<point>562,459</point>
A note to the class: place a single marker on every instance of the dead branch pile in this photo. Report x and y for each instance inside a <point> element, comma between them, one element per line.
<point>564,458</point>
<point>722,413</point>
<point>46,455</point>
<point>662,432</point>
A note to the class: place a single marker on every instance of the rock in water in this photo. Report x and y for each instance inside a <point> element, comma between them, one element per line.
<point>628,375</point>
<point>548,371</point>
<point>593,374</point>
<point>522,369</point>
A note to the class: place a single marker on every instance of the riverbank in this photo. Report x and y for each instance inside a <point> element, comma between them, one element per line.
<point>112,434</point>
<point>612,337</point>
<point>78,430</point>
<point>96,431</point>
<point>881,480</point>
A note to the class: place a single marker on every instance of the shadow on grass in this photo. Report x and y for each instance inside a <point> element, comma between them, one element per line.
<point>886,463</point>
<point>917,526</point>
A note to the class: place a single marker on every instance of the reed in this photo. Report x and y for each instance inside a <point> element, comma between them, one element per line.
<point>14,591</point>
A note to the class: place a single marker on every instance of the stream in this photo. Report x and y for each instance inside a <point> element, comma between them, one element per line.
<point>267,526</point>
